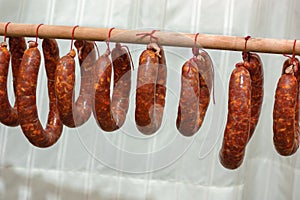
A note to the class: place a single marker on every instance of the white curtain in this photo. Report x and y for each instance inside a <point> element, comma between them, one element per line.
<point>87,163</point>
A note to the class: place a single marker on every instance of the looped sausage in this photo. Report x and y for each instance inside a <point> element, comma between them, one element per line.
<point>196,86</point>
<point>74,114</point>
<point>17,46</point>
<point>26,95</point>
<point>286,110</point>
<point>110,113</point>
<point>237,129</point>
<point>187,121</point>
<point>253,64</point>
<point>151,89</point>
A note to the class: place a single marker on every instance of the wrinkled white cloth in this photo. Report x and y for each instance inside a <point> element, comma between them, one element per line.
<point>89,164</point>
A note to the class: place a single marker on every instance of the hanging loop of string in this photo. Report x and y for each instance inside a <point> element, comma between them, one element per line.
<point>293,53</point>
<point>5,31</point>
<point>151,34</point>
<point>245,52</point>
<point>37,33</point>
<point>195,51</point>
<point>108,39</point>
<point>246,41</point>
<point>35,43</point>
<point>195,48</point>
<point>294,61</point>
<point>73,35</point>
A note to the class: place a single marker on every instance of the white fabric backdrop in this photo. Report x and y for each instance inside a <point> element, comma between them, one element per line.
<point>87,164</point>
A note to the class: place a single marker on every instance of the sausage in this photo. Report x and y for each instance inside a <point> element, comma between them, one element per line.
<point>161,89</point>
<point>237,128</point>
<point>253,64</point>
<point>17,47</point>
<point>295,64</point>
<point>284,114</point>
<point>26,95</point>
<point>286,110</point>
<point>122,84</point>
<point>9,114</point>
<point>195,92</point>
<point>187,121</point>
<point>110,113</point>
<point>102,103</point>
<point>74,114</point>
<point>206,76</point>
<point>150,90</point>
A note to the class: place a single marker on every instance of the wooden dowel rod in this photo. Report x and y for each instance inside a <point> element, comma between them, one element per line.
<point>207,41</point>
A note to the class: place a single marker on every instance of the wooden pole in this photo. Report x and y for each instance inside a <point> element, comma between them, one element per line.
<point>207,41</point>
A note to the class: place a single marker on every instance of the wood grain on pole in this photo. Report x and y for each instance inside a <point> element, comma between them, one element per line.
<point>207,41</point>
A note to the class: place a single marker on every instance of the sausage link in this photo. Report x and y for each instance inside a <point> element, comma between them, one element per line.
<point>110,114</point>
<point>150,91</point>
<point>187,121</point>
<point>253,64</point>
<point>17,47</point>
<point>26,96</point>
<point>87,59</point>
<point>237,129</point>
<point>102,103</point>
<point>9,114</point>
<point>122,84</point>
<point>294,64</point>
<point>74,114</point>
<point>205,66</point>
<point>284,114</point>
<point>160,92</point>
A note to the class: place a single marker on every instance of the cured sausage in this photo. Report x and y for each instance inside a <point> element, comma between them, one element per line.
<point>206,77</point>
<point>187,121</point>
<point>284,114</point>
<point>161,89</point>
<point>295,65</point>
<point>74,114</point>
<point>150,90</point>
<point>9,114</point>
<point>286,110</point>
<point>195,92</point>
<point>26,95</point>
<point>237,128</point>
<point>110,113</point>
<point>17,47</point>
<point>253,64</point>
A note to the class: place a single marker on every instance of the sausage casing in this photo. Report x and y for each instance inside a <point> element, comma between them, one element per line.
<point>26,96</point>
<point>74,114</point>
<point>237,128</point>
